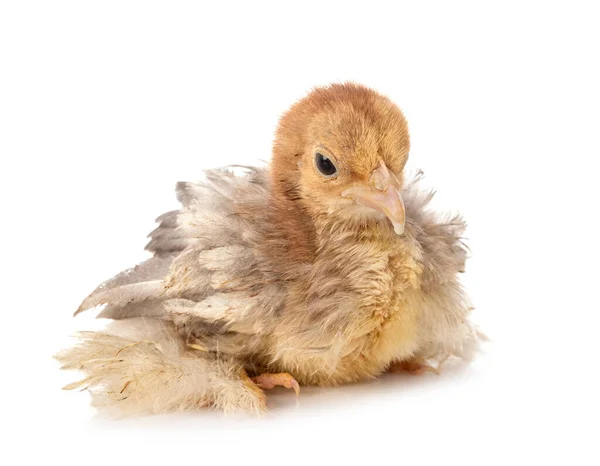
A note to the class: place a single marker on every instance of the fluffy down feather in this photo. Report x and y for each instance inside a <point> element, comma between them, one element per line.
<point>143,367</point>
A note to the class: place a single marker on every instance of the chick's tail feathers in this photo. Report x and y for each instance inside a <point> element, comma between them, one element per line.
<point>144,367</point>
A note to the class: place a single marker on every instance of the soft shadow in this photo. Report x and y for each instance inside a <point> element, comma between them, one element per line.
<point>312,401</point>
<point>282,401</point>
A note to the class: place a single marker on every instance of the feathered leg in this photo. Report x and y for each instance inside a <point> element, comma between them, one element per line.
<point>143,366</point>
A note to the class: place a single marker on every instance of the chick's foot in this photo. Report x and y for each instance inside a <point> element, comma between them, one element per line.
<point>283,379</point>
<point>412,367</point>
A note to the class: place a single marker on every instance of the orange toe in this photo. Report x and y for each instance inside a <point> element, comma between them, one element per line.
<point>282,379</point>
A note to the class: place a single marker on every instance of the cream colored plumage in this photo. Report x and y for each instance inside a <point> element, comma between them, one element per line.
<point>278,270</point>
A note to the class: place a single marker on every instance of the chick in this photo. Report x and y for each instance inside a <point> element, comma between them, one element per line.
<point>325,268</point>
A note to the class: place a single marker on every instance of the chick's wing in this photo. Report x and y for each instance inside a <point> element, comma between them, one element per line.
<point>204,275</point>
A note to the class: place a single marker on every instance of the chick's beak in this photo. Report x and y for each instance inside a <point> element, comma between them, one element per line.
<point>382,194</point>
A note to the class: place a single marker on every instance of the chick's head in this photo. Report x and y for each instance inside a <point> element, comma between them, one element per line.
<point>341,152</point>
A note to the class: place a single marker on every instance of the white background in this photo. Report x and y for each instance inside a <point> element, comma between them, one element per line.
<point>105,105</point>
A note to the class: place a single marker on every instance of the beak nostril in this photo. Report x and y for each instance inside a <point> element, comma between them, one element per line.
<point>379,182</point>
<point>380,178</point>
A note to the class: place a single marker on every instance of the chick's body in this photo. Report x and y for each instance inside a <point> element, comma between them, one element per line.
<point>314,267</point>
<point>373,327</point>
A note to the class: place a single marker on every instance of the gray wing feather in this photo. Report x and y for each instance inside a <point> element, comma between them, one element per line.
<point>120,296</point>
<point>167,238</point>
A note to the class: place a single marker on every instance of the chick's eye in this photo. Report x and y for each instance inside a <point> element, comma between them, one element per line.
<point>324,165</point>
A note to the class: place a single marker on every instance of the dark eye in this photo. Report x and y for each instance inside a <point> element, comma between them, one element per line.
<point>324,165</point>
